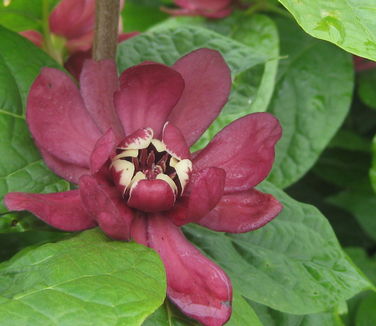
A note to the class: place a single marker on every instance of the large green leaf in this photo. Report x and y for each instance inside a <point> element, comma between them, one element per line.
<point>372,172</point>
<point>22,15</point>
<point>367,87</point>
<point>140,15</point>
<point>311,99</point>
<point>270,317</point>
<point>360,200</point>
<point>294,264</point>
<point>167,44</point>
<point>21,167</point>
<point>169,315</point>
<point>86,280</point>
<point>350,24</point>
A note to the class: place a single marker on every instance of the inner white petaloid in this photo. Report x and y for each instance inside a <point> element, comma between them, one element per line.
<point>149,159</point>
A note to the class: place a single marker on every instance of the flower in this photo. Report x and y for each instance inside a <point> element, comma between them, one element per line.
<point>206,8</point>
<point>126,144</point>
<point>362,64</point>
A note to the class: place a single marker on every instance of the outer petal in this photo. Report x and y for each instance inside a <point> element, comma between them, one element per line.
<point>195,284</point>
<point>207,87</point>
<point>242,212</point>
<point>103,149</point>
<point>203,193</point>
<point>104,204</point>
<point>68,171</point>
<point>58,120</point>
<point>99,82</point>
<point>61,210</point>
<point>175,142</point>
<point>147,94</point>
<point>244,149</point>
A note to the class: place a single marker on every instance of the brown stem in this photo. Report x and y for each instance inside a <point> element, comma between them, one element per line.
<point>106,29</point>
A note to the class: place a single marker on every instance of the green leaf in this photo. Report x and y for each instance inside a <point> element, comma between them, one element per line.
<point>169,315</point>
<point>367,88</point>
<point>139,16</point>
<point>270,317</point>
<point>350,24</point>
<point>86,280</point>
<point>21,167</point>
<point>167,44</point>
<point>312,97</point>
<point>361,202</point>
<point>366,314</point>
<point>365,262</point>
<point>293,264</point>
<point>22,15</point>
<point>372,172</point>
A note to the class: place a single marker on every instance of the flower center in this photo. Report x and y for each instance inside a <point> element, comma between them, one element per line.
<point>149,176</point>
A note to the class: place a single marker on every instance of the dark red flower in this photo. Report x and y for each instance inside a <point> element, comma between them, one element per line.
<point>362,64</point>
<point>126,144</point>
<point>206,8</point>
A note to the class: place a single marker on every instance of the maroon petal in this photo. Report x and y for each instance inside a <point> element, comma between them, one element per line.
<point>151,196</point>
<point>68,171</point>
<point>58,119</point>
<point>197,12</point>
<point>175,142</point>
<point>103,149</point>
<point>99,82</point>
<point>62,210</point>
<point>195,284</point>
<point>75,62</point>
<point>73,19</point>
<point>207,86</point>
<point>203,193</point>
<point>242,212</point>
<point>106,206</point>
<point>244,149</point>
<point>147,94</point>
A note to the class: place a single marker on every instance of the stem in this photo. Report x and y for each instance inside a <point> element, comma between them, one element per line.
<point>47,40</point>
<point>106,29</point>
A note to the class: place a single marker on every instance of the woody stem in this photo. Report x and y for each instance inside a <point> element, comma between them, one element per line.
<point>106,29</point>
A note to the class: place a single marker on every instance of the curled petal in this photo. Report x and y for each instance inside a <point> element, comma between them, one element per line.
<point>147,94</point>
<point>63,210</point>
<point>68,171</point>
<point>202,195</point>
<point>152,195</point>
<point>105,204</point>
<point>175,143</point>
<point>244,149</point>
<point>207,87</point>
<point>242,212</point>
<point>58,119</point>
<point>194,283</point>
<point>103,149</point>
<point>99,82</point>
<point>74,19</point>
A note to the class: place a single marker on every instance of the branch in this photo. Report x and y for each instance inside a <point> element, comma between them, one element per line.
<point>106,29</point>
